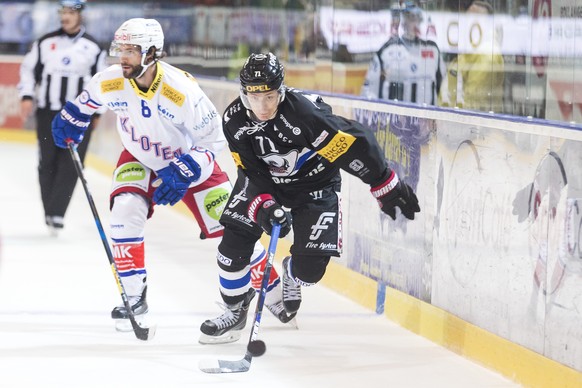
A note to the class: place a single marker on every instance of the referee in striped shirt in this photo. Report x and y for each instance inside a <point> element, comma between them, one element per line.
<point>52,72</point>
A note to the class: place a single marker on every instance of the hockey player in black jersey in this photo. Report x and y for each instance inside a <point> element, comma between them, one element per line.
<point>289,148</point>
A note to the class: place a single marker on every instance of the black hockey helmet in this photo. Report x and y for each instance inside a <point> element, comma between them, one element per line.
<point>261,73</point>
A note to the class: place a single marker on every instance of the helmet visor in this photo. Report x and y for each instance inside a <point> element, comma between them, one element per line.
<point>125,50</point>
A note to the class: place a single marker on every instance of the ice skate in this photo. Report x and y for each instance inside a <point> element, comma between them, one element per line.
<point>227,327</point>
<point>274,304</point>
<point>55,225</point>
<point>139,306</point>
<point>278,310</point>
<point>291,290</point>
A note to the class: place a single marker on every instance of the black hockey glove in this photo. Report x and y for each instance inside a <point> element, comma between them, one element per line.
<point>264,211</point>
<point>392,193</point>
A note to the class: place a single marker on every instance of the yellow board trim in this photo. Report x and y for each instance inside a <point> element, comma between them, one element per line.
<point>353,285</point>
<point>511,360</point>
<point>17,135</point>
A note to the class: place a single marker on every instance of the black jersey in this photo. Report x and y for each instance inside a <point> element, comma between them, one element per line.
<point>303,146</point>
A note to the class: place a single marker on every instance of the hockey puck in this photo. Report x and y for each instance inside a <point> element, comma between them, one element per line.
<point>257,348</point>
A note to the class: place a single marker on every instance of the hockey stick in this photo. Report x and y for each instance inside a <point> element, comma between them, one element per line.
<point>244,364</point>
<point>142,333</point>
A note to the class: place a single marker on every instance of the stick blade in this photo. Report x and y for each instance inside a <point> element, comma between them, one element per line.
<point>143,333</point>
<point>224,366</point>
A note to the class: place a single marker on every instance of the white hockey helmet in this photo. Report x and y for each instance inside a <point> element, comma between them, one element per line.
<point>139,32</point>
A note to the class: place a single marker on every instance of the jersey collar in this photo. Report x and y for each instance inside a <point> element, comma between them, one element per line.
<point>153,87</point>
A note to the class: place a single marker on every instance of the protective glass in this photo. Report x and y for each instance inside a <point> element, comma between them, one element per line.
<point>125,50</point>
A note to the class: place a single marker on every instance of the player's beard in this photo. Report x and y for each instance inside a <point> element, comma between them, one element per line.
<point>133,72</point>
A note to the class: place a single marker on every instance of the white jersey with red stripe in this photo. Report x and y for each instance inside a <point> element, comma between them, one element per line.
<point>171,118</point>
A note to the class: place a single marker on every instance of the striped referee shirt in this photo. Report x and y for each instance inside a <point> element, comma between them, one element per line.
<point>57,67</point>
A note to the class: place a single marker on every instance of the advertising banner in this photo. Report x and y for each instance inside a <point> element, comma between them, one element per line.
<point>9,101</point>
<point>393,252</point>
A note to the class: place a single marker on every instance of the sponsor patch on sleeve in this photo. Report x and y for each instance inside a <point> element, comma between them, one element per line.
<point>131,175</point>
<point>112,85</point>
<point>337,146</point>
<point>237,161</point>
<point>320,138</point>
<point>173,95</point>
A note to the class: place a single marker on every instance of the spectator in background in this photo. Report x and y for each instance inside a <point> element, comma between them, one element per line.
<point>475,79</point>
<point>53,71</point>
<point>406,68</point>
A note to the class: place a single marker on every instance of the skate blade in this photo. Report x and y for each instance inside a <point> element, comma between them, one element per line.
<point>226,338</point>
<point>124,325</point>
<point>293,323</point>
<point>53,232</point>
<point>224,366</point>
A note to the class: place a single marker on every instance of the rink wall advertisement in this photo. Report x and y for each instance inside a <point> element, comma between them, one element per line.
<point>375,242</point>
<point>498,240</point>
<point>9,102</point>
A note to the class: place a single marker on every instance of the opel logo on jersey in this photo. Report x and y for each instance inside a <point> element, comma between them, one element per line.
<point>257,88</point>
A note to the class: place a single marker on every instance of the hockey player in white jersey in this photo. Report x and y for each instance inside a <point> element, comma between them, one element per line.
<point>406,68</point>
<point>171,134</point>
